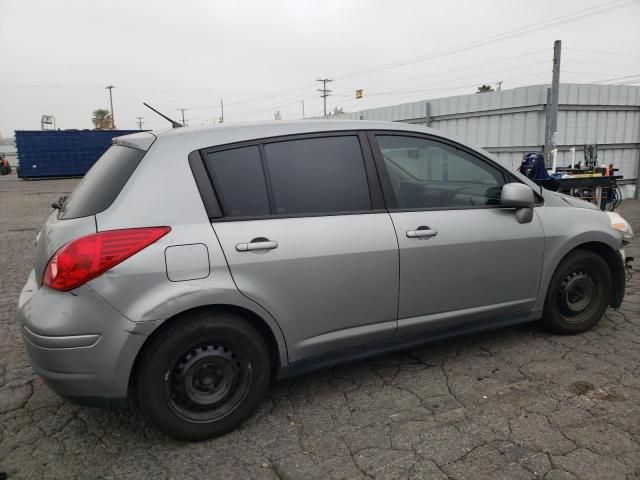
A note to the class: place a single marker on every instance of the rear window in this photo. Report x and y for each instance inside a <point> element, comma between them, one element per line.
<point>102,183</point>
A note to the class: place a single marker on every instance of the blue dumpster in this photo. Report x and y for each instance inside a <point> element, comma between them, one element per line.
<point>61,153</point>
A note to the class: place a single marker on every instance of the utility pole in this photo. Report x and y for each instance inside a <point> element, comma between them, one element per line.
<point>182,110</point>
<point>221,111</point>
<point>325,92</point>
<point>499,88</point>
<point>636,195</point>
<point>551,136</point>
<point>303,109</point>
<point>113,115</point>
<point>547,128</point>
<point>139,119</point>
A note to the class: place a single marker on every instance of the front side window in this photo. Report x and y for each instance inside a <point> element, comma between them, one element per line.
<point>317,175</point>
<point>427,174</point>
<point>239,180</point>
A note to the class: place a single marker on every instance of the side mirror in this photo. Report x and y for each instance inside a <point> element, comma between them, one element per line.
<point>520,197</point>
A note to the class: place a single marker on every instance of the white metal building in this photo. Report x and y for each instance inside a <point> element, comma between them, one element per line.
<point>509,123</point>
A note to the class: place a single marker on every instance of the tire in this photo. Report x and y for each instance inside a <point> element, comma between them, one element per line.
<point>203,375</point>
<point>578,294</point>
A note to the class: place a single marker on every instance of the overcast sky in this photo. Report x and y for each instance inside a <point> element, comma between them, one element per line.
<point>56,57</point>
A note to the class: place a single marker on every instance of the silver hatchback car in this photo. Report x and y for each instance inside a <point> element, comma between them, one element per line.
<point>190,267</point>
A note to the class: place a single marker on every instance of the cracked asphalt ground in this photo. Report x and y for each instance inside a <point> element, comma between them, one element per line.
<point>516,403</point>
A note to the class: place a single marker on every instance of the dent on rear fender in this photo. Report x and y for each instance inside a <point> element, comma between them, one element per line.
<point>168,299</point>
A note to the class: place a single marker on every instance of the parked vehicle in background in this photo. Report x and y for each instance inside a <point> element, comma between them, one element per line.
<point>5,166</point>
<point>274,249</point>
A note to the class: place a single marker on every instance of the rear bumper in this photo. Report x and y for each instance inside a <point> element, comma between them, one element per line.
<point>79,344</point>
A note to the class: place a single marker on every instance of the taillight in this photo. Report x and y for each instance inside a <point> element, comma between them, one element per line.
<point>88,257</point>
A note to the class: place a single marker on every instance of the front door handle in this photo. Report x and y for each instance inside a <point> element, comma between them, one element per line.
<point>422,232</point>
<point>257,244</point>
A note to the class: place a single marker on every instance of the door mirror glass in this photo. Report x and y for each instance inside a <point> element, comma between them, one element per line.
<point>517,195</point>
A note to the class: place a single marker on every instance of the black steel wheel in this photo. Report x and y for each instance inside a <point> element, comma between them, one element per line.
<point>578,294</point>
<point>203,374</point>
<point>208,382</point>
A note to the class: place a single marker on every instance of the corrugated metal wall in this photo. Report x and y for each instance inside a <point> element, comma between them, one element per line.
<point>511,122</point>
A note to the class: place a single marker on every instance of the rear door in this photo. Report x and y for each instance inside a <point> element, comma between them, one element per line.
<point>306,236</point>
<point>463,257</point>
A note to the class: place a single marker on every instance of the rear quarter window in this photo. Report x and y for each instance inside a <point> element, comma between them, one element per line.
<point>102,183</point>
<point>239,181</point>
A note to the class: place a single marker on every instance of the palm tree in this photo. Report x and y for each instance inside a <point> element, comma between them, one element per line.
<point>485,88</point>
<point>102,119</point>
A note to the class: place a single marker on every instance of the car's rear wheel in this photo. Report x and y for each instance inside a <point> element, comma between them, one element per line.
<point>203,375</point>
<point>578,294</point>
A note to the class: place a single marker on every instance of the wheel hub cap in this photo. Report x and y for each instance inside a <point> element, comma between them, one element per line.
<point>576,293</point>
<point>207,382</point>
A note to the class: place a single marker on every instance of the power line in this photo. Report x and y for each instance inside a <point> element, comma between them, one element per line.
<point>602,63</point>
<point>281,105</point>
<point>257,99</point>
<point>434,74</point>
<point>285,103</point>
<point>600,52</point>
<point>617,78</point>
<point>578,15</point>
<point>32,85</point>
<point>570,17</point>
<point>442,89</point>
<point>475,75</point>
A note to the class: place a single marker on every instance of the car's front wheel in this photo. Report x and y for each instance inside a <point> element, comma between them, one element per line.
<point>578,294</point>
<point>203,375</point>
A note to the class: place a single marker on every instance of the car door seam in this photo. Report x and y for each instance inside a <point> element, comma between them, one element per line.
<point>395,231</point>
<point>226,261</point>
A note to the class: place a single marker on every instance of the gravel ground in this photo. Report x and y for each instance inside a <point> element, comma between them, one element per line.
<point>515,403</point>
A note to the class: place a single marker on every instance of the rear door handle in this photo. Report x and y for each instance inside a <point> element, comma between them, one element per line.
<point>422,232</point>
<point>257,245</point>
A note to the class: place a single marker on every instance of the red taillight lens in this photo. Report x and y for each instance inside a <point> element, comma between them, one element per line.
<point>88,257</point>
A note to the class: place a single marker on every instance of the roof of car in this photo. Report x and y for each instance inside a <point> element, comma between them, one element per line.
<point>195,138</point>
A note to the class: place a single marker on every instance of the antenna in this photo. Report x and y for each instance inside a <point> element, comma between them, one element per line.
<point>174,124</point>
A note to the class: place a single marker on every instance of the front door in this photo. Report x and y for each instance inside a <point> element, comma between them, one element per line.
<point>308,244</point>
<point>463,257</point>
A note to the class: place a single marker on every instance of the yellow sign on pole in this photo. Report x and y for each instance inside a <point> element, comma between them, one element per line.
<point>358,93</point>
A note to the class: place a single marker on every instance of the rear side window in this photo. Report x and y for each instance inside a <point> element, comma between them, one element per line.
<point>317,175</point>
<point>102,183</point>
<point>239,181</point>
